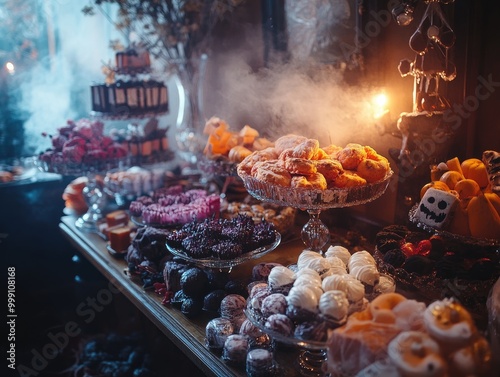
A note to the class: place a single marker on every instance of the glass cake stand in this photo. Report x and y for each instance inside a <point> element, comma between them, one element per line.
<point>92,192</point>
<point>315,233</point>
<point>228,264</point>
<point>312,356</point>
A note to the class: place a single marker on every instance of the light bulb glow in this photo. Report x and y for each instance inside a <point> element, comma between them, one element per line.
<point>380,102</point>
<point>9,66</point>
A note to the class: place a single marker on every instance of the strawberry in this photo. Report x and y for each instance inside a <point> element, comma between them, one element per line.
<point>423,248</point>
<point>408,249</point>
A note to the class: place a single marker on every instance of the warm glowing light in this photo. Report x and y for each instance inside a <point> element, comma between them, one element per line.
<point>380,102</point>
<point>10,68</point>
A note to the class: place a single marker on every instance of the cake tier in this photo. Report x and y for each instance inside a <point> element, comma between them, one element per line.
<point>122,99</point>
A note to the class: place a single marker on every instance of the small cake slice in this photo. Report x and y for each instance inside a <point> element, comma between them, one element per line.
<point>117,218</point>
<point>119,239</point>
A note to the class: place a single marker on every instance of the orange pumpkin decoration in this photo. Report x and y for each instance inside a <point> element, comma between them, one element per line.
<point>475,169</point>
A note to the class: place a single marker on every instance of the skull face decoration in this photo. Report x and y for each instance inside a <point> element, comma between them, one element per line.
<point>435,207</point>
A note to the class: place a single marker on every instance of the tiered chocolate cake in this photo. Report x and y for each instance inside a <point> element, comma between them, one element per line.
<point>129,89</point>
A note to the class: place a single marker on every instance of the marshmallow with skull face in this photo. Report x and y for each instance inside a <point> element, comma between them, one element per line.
<point>435,208</point>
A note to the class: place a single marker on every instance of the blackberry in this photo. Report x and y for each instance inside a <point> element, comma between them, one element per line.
<point>395,258</point>
<point>227,250</point>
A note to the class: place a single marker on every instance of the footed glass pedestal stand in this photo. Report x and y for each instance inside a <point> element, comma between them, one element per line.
<point>315,234</point>
<point>96,200</point>
<point>94,196</point>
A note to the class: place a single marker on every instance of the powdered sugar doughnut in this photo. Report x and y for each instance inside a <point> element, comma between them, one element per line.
<point>296,165</point>
<point>287,142</point>
<point>351,155</point>
<point>331,169</point>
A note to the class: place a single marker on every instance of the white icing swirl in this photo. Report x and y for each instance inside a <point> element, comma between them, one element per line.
<point>367,274</point>
<point>308,274</point>
<point>303,297</point>
<point>340,252</point>
<point>361,258</point>
<point>337,270</point>
<point>334,304</point>
<point>280,276</point>
<point>353,288</point>
<point>307,257</point>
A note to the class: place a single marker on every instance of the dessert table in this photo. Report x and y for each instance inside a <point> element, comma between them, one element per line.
<point>187,334</point>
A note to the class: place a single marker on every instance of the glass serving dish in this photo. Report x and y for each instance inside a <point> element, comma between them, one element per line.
<point>220,166</point>
<point>312,356</point>
<point>227,263</point>
<point>314,234</point>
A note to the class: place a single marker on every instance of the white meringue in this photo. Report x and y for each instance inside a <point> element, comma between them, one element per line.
<point>306,257</point>
<point>367,274</point>
<point>334,304</point>
<point>280,276</point>
<point>353,288</point>
<point>336,262</point>
<point>340,252</point>
<point>303,297</point>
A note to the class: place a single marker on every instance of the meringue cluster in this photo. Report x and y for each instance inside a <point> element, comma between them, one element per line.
<point>317,294</point>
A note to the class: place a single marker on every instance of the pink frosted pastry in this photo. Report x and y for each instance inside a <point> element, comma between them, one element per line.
<point>275,303</point>
<point>217,331</point>
<point>232,306</point>
<point>235,349</point>
<point>280,324</point>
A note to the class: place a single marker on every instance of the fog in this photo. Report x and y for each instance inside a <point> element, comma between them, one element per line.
<point>292,97</point>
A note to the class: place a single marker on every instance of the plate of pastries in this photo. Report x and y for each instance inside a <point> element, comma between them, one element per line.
<point>298,171</point>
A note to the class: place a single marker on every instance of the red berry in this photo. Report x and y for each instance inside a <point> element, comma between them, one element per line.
<point>424,247</point>
<point>408,249</point>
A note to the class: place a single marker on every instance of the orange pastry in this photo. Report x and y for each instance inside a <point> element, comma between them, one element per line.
<point>317,181</point>
<point>288,141</point>
<point>298,166</point>
<point>238,153</point>
<point>321,155</point>
<point>307,149</point>
<point>331,169</point>
<point>372,170</point>
<point>332,150</point>
<point>349,179</point>
<point>300,181</point>
<point>272,172</point>
<point>351,155</point>
<point>257,156</point>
